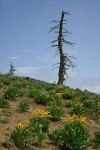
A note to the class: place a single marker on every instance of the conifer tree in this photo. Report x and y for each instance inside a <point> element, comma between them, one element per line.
<point>12,69</point>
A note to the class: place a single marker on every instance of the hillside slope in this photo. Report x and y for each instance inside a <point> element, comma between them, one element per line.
<point>26,102</point>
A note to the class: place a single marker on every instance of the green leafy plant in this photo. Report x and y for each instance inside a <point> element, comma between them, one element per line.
<point>97,140</point>
<point>22,137</point>
<point>17,84</point>
<point>55,108</point>
<point>40,97</point>
<point>23,106</point>
<point>97,136</point>
<point>95,110</point>
<point>27,133</point>
<point>11,93</point>
<point>59,89</point>
<point>54,136</point>
<point>38,85</point>
<point>1,84</point>
<point>32,93</point>
<point>73,136</point>
<point>41,120</point>
<point>5,81</point>
<point>68,103</point>
<point>50,87</point>
<point>4,103</point>
<point>88,103</point>
<point>67,95</point>
<point>37,130</point>
<point>78,109</point>
<point>56,112</point>
<point>52,97</point>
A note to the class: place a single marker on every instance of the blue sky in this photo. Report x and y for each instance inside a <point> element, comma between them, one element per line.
<point>25,38</point>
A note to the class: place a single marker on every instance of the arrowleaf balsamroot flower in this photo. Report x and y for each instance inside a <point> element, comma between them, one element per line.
<point>74,118</point>
<point>41,113</point>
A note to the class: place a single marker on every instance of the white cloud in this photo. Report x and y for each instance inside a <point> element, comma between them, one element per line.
<point>26,69</point>
<point>90,84</point>
<point>97,89</point>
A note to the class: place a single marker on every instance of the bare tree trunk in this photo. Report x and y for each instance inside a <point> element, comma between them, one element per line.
<point>65,60</point>
<point>61,67</point>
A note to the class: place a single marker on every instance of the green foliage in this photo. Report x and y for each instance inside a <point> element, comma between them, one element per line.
<point>54,136</point>
<point>38,85</point>
<point>37,125</point>
<point>74,136</point>
<point>22,137</point>
<point>88,103</point>
<point>97,139</point>
<point>4,103</point>
<point>71,136</point>
<point>83,95</point>
<point>22,83</point>
<point>23,106</point>
<point>54,97</point>
<point>68,103</point>
<point>78,110</point>
<point>54,102</point>
<point>11,93</point>
<point>5,81</point>
<point>1,84</point>
<point>26,134</point>
<point>60,89</point>
<point>32,93</point>
<point>39,96</point>
<point>41,85</point>
<point>50,87</point>
<point>67,95</point>
<point>56,112</point>
<point>95,109</point>
<point>55,107</point>
<point>41,121</point>
<point>17,84</point>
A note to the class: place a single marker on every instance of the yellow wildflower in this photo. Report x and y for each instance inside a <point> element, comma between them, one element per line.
<point>74,117</point>
<point>27,121</point>
<point>41,113</point>
<point>20,124</point>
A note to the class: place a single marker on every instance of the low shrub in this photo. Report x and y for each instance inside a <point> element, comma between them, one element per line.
<point>27,133</point>
<point>96,140</point>
<point>11,93</point>
<point>4,103</point>
<point>73,136</point>
<point>45,122</point>
<point>23,106</point>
